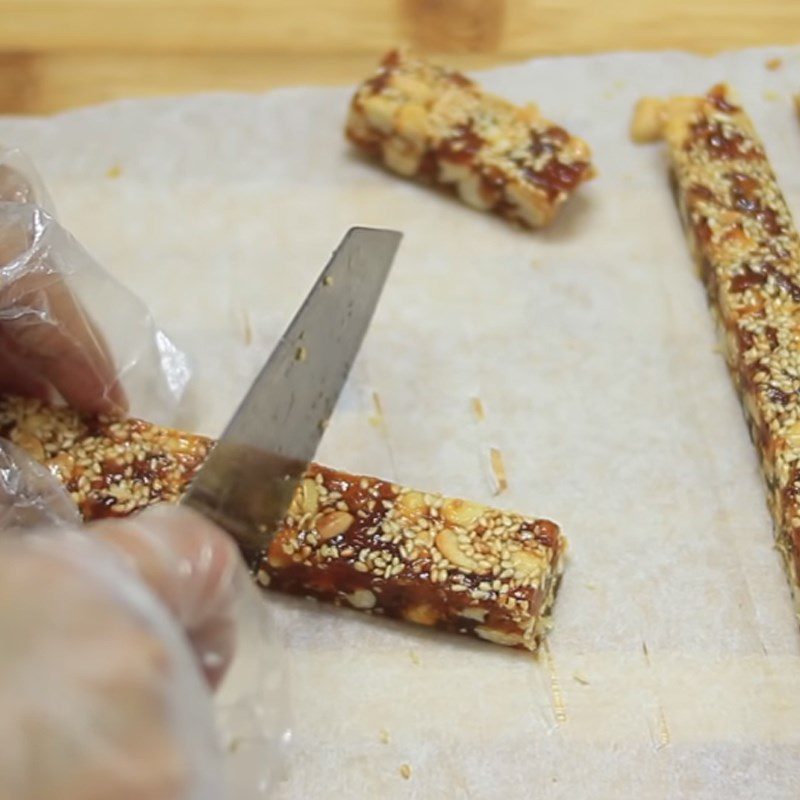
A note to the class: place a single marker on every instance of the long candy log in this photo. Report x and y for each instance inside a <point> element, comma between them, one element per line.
<point>352,540</point>
<point>748,251</point>
<point>435,124</point>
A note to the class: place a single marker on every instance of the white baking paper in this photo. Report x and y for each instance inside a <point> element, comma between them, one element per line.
<point>674,667</point>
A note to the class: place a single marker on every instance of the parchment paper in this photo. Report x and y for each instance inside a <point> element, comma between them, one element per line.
<point>674,667</point>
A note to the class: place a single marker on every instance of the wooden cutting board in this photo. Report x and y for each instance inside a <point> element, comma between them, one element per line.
<point>673,670</point>
<point>56,54</point>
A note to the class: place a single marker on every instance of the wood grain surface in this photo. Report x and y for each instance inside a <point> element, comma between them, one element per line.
<point>56,54</point>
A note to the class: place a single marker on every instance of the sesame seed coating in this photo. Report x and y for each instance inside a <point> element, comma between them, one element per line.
<point>353,540</point>
<point>748,252</point>
<point>435,124</point>
<point>110,467</point>
<point>457,565</point>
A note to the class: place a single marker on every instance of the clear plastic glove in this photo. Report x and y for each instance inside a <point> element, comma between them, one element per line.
<point>49,340</point>
<point>111,640</point>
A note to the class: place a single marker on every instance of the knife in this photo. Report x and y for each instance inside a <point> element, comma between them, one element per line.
<point>247,482</point>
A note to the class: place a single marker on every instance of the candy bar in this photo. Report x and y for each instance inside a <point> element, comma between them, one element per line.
<point>748,251</point>
<point>433,123</point>
<point>352,540</point>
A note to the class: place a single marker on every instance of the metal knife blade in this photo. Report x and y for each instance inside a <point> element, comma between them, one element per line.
<point>248,480</point>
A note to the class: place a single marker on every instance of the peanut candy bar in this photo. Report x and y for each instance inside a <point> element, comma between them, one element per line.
<point>352,540</point>
<point>437,561</point>
<point>434,123</point>
<point>748,252</point>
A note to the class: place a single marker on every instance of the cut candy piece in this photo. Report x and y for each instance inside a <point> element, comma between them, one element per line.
<point>433,123</point>
<point>436,561</point>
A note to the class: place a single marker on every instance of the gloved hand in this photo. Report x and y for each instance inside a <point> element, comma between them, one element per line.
<point>66,326</point>
<point>46,338</point>
<point>111,638</point>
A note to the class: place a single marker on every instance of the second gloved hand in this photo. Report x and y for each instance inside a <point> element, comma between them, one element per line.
<point>103,632</point>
